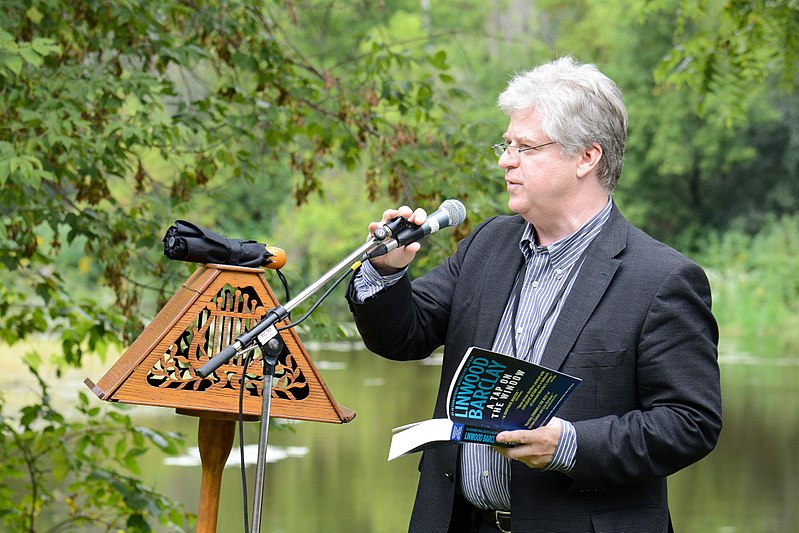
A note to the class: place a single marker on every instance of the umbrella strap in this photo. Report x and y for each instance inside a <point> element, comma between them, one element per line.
<point>235,251</point>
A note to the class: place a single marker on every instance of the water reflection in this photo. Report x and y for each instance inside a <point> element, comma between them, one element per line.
<point>191,457</point>
<point>343,482</point>
<point>750,483</point>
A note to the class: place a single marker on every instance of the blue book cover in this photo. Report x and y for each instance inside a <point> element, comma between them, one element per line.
<point>490,393</point>
<point>496,391</point>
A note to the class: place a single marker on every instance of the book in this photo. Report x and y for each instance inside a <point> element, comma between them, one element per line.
<point>490,393</point>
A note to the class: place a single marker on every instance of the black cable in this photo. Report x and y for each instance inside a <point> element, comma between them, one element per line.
<point>319,301</point>
<point>285,285</point>
<point>286,290</point>
<point>241,441</point>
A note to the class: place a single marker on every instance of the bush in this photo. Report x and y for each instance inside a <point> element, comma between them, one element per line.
<point>63,474</point>
<point>754,281</point>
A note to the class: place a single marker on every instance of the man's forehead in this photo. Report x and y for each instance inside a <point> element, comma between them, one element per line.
<point>524,125</point>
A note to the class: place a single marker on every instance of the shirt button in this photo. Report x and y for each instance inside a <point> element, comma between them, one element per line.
<point>559,273</point>
<point>519,331</point>
<point>485,473</point>
<point>535,284</point>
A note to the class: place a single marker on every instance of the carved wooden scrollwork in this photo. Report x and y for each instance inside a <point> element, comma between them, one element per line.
<point>229,313</point>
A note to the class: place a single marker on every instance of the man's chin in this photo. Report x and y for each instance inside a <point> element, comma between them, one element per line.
<point>515,206</point>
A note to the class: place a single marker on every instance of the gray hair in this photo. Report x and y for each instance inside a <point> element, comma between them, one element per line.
<point>578,106</point>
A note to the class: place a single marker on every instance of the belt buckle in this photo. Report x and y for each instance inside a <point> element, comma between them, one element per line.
<point>506,516</point>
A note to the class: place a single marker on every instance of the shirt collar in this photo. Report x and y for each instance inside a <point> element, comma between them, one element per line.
<point>569,248</point>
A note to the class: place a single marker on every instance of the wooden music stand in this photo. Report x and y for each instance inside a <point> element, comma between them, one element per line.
<point>207,313</point>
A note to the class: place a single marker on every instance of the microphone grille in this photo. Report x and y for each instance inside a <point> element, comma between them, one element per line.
<point>455,210</point>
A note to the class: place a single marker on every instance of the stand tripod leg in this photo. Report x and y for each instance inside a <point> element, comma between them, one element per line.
<point>271,351</point>
<point>215,440</point>
<point>263,443</point>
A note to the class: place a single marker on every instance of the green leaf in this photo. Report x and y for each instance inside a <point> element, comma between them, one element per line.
<point>13,63</point>
<point>131,458</point>
<point>439,60</point>
<point>34,15</point>
<point>5,171</point>
<point>154,437</point>
<point>121,448</point>
<point>136,523</point>
<point>61,467</point>
<point>28,54</point>
<point>29,415</point>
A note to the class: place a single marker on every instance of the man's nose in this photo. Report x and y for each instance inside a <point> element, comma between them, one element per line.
<point>508,159</point>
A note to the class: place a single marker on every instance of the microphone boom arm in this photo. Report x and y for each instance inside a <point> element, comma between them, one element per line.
<point>352,261</point>
<point>450,213</point>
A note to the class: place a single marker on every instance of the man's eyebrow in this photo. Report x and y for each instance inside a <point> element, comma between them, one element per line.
<point>523,139</point>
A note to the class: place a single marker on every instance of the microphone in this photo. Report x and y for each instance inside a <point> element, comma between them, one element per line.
<point>450,214</point>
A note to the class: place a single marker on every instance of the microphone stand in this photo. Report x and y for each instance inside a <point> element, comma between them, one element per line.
<point>265,334</point>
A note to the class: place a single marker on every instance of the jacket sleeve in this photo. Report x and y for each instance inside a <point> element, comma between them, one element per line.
<point>409,320</point>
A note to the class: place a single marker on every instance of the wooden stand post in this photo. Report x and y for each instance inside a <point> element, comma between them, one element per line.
<point>215,440</point>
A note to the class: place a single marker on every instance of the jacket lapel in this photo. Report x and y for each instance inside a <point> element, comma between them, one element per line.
<point>498,278</point>
<point>590,285</point>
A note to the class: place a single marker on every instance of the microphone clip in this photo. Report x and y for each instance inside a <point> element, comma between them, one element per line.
<point>391,228</point>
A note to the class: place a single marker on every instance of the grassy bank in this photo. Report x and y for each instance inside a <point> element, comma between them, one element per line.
<point>755,283</point>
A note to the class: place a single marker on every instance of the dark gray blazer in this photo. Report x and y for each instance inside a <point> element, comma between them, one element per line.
<point>638,330</point>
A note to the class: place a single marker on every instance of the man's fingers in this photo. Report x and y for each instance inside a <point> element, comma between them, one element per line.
<point>512,437</point>
<point>418,217</point>
<point>389,214</point>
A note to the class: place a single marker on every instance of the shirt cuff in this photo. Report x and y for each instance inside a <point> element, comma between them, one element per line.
<point>368,282</point>
<point>566,451</point>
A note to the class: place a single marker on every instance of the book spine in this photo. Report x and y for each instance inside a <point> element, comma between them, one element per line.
<point>467,433</point>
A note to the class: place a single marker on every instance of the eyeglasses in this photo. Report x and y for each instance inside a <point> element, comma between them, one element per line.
<point>500,148</point>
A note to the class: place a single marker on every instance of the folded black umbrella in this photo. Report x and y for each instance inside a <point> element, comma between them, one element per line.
<point>189,242</point>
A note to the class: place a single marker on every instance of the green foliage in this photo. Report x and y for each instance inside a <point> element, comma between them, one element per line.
<point>117,118</point>
<point>61,471</point>
<point>297,124</point>
<point>689,170</point>
<point>754,281</point>
<point>725,49</point>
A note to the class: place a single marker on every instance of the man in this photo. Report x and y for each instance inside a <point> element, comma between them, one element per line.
<point>568,283</point>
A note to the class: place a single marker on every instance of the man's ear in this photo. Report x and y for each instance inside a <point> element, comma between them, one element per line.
<point>589,160</point>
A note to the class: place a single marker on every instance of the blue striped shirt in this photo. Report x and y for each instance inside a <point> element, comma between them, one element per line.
<point>484,473</point>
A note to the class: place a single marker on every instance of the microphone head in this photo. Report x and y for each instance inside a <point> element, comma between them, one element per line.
<point>456,212</point>
<point>450,213</point>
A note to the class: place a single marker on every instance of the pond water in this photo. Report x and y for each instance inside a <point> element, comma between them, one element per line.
<point>335,478</point>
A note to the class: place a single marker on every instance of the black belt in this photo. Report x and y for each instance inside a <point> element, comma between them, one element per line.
<point>501,519</point>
